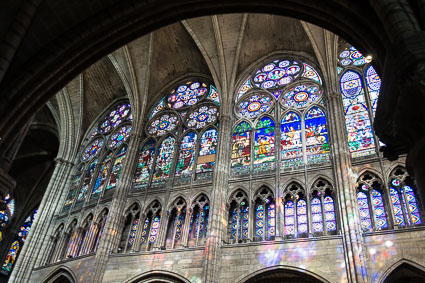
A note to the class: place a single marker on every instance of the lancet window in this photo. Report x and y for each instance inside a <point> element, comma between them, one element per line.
<point>265,215</point>
<point>101,158</point>
<point>176,223</point>
<point>199,222</point>
<point>182,137</point>
<point>322,207</point>
<point>360,86</point>
<point>150,226</point>
<point>295,212</point>
<point>289,91</point>
<point>131,226</point>
<point>238,217</point>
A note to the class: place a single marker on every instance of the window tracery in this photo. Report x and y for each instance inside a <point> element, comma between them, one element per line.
<point>238,217</point>
<point>265,215</point>
<point>199,222</point>
<point>176,224</point>
<point>295,212</point>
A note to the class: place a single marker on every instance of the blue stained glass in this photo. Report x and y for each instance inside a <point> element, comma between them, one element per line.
<point>114,118</point>
<point>116,170</point>
<point>120,136</point>
<point>311,73</point>
<point>255,105</point>
<point>234,227</point>
<point>271,220</point>
<point>187,94</point>
<point>165,123</point>
<point>207,152</point>
<point>302,216</point>
<point>259,220</point>
<point>203,116</point>
<point>291,143</point>
<point>316,215</point>
<point>380,215</point>
<point>240,217</point>
<point>277,73</point>
<point>244,88</point>
<point>102,175</point>
<point>244,221</point>
<point>179,226</point>
<point>301,95</point>
<point>351,56</point>
<point>144,166</point>
<point>213,95</point>
<point>154,230</point>
<point>289,218</point>
<point>93,149</point>
<point>241,149</point>
<point>164,161</point>
<point>204,222</point>
<point>145,231</point>
<point>87,181</point>
<point>329,213</point>
<point>412,205</point>
<point>11,257</point>
<point>186,156</point>
<point>74,186</point>
<point>397,209</point>
<point>264,146</point>
<point>365,219</point>
<point>373,82</point>
<point>359,131</point>
<point>316,136</point>
<point>158,107</point>
<point>133,231</point>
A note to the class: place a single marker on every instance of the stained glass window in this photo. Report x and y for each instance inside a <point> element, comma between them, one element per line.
<point>120,136</point>
<point>316,215</point>
<point>93,149</point>
<point>163,124</point>
<point>359,131</point>
<point>144,167</point>
<point>291,143</point>
<point>11,256</point>
<point>411,204</point>
<point>186,156</point>
<point>158,107</point>
<point>244,88</point>
<point>373,82</point>
<point>145,231</point>
<point>87,181</point>
<point>271,219</point>
<point>74,186</point>
<point>301,96</point>
<point>241,148</point>
<point>259,221</point>
<point>239,221</point>
<point>4,219</point>
<point>264,151</point>
<point>179,226</point>
<point>277,73</point>
<point>202,116</point>
<point>289,218</point>
<point>133,231</point>
<point>26,227</point>
<point>187,94</point>
<point>207,152</point>
<point>154,230</point>
<point>10,203</point>
<point>397,209</point>
<point>164,161</point>
<point>302,217</point>
<point>316,136</point>
<point>329,213</point>
<point>213,95</point>
<point>99,185</point>
<point>351,56</point>
<point>114,118</point>
<point>311,73</point>
<point>379,209</point>
<point>254,105</point>
<point>116,169</point>
<point>365,219</point>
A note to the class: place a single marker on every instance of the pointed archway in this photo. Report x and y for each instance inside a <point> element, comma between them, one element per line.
<point>406,273</point>
<point>282,274</point>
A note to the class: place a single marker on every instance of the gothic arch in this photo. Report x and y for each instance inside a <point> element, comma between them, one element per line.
<point>372,171</point>
<point>175,199</point>
<point>61,274</point>
<point>234,191</point>
<point>402,264</point>
<point>132,204</point>
<point>162,276</point>
<point>392,168</point>
<point>281,269</point>
<point>200,193</point>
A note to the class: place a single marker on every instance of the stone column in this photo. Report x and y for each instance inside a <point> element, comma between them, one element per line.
<point>162,231</point>
<point>346,192</point>
<point>112,231</point>
<point>185,234</point>
<point>218,215</point>
<point>34,251</point>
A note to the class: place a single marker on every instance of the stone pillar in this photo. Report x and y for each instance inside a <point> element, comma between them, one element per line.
<point>185,234</point>
<point>346,192</point>
<point>218,215</point>
<point>35,250</point>
<point>112,231</point>
<point>162,231</point>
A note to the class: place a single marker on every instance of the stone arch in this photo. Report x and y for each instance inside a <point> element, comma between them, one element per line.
<point>231,194</point>
<point>261,276</point>
<point>403,270</point>
<point>62,274</point>
<point>161,276</point>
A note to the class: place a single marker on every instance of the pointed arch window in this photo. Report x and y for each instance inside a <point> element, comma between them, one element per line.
<point>207,152</point>
<point>264,145</point>
<point>98,230</point>
<point>176,224</point>
<point>295,212</point>
<point>131,226</point>
<point>238,217</point>
<point>241,149</point>
<point>186,157</point>
<point>144,166</point>
<point>199,222</point>
<point>322,208</point>
<point>100,183</point>
<point>150,228</point>
<point>164,161</point>
<point>316,135</point>
<point>86,182</point>
<point>291,141</point>
<point>265,215</point>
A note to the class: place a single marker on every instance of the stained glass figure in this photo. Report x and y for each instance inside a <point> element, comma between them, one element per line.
<point>373,83</point>
<point>116,169</point>
<point>379,209</point>
<point>316,136</point>
<point>397,209</point>
<point>264,149</point>
<point>302,225</point>
<point>254,105</point>
<point>291,143</point>
<point>185,162</point>
<point>244,88</point>
<point>277,73</point>
<point>311,73</point>
<point>351,56</point>
<point>187,94</point>
<point>87,181</point>
<point>158,107</point>
<point>114,118</point>
<point>411,204</point>
<point>164,161</point>
<point>359,131</point>
<point>133,231</point>
<point>26,227</point>
<point>11,257</point>
<point>154,230</point>
<point>316,215</point>
<point>93,149</point>
<point>365,219</point>
<point>301,96</point>
<point>74,186</point>
<point>202,116</point>
<point>213,95</point>
<point>100,183</point>
<point>329,213</point>
<point>120,136</point>
<point>207,152</point>
<point>163,124</point>
<point>144,167</point>
<point>289,218</point>
<point>241,148</point>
